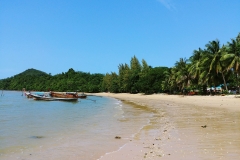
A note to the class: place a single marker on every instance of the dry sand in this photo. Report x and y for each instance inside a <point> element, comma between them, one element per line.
<point>184,128</point>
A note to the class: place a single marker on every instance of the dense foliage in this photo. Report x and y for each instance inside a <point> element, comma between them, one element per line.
<point>33,79</point>
<point>135,78</point>
<point>215,65</point>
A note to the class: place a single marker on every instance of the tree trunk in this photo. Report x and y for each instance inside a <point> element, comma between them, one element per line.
<point>224,82</point>
<point>238,84</point>
<point>215,89</point>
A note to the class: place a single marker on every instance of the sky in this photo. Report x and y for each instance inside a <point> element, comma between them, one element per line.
<point>96,36</point>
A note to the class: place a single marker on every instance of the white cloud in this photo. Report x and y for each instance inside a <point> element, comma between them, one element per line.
<point>168,4</point>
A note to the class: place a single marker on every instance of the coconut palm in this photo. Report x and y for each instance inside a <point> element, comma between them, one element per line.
<point>215,54</point>
<point>195,67</point>
<point>233,56</point>
<point>171,79</point>
<point>181,73</point>
<point>206,76</point>
<point>166,85</point>
<point>218,65</point>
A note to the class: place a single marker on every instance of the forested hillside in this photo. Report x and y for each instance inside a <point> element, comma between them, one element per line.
<point>33,79</point>
<point>132,79</point>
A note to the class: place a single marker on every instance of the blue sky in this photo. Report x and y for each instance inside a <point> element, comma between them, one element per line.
<point>96,36</point>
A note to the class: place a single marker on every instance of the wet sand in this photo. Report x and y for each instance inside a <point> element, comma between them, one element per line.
<point>185,128</point>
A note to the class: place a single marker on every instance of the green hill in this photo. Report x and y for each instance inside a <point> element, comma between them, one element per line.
<point>71,80</point>
<point>30,79</point>
<point>32,72</point>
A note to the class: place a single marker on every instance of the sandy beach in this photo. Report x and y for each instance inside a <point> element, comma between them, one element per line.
<point>183,128</point>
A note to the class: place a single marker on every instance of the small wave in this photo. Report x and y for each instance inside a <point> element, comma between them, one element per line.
<point>139,130</point>
<point>113,151</point>
<point>118,102</point>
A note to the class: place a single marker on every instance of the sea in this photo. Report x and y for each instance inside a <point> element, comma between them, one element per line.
<point>87,129</point>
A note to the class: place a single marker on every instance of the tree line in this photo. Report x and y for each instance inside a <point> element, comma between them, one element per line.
<point>135,78</point>
<point>212,66</point>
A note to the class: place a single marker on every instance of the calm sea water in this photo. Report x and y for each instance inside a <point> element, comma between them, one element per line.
<point>85,129</point>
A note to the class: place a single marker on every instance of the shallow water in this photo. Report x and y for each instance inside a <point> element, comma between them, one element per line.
<point>85,129</point>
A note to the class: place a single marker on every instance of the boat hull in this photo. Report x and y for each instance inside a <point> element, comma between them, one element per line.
<point>67,95</point>
<point>43,98</point>
<point>28,95</point>
<point>63,95</point>
<point>82,96</point>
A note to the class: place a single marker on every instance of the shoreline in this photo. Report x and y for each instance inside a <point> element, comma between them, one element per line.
<point>199,127</point>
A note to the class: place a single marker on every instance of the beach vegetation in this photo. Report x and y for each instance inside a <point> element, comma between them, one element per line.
<point>215,66</point>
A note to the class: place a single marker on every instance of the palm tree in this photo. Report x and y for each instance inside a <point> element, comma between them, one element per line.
<point>233,57</point>
<point>182,75</point>
<point>171,79</point>
<point>195,67</point>
<point>217,65</point>
<point>166,83</point>
<point>215,54</point>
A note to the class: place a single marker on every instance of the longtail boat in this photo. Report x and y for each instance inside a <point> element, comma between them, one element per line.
<point>29,95</point>
<point>67,95</point>
<point>47,98</point>
<point>82,96</point>
<point>63,95</point>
